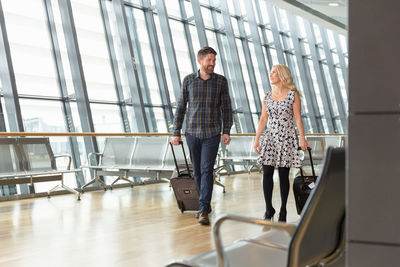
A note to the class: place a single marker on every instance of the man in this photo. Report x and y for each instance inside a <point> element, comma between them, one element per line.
<point>207,96</point>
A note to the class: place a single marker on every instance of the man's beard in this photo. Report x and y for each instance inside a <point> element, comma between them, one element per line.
<point>209,70</point>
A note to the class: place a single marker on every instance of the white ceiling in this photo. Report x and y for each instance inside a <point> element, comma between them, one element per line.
<point>338,12</point>
<point>319,12</point>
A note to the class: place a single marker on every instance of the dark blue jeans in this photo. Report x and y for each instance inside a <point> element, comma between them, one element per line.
<point>203,153</point>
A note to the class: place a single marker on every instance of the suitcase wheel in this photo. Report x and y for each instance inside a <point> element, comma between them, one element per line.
<point>181,206</point>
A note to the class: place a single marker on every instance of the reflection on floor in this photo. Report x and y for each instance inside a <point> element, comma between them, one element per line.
<point>124,227</point>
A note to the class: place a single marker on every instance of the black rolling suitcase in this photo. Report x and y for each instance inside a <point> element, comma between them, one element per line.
<point>183,184</point>
<point>302,186</point>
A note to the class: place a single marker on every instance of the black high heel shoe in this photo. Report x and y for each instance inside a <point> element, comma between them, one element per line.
<point>282,216</point>
<point>269,215</point>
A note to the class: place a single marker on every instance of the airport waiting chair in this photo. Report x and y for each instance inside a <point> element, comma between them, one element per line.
<point>239,152</point>
<point>333,141</point>
<point>318,150</point>
<point>317,239</point>
<point>113,161</point>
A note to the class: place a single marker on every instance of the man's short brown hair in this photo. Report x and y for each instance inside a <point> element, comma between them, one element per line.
<point>204,51</point>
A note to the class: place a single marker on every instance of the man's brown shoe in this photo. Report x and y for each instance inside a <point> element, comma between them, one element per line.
<point>203,218</point>
<point>198,213</point>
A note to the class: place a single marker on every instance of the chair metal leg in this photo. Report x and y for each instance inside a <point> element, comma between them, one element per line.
<point>116,180</point>
<point>94,180</point>
<point>219,184</point>
<point>216,173</point>
<point>218,169</point>
<point>252,166</point>
<point>122,178</point>
<point>62,185</point>
<point>53,189</point>
<point>125,178</point>
<point>71,190</point>
<point>167,180</point>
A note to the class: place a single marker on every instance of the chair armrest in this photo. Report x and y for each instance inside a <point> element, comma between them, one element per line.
<point>65,156</point>
<point>217,237</point>
<point>94,153</point>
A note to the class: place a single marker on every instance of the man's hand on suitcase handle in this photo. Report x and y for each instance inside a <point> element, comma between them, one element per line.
<point>226,139</point>
<point>176,140</point>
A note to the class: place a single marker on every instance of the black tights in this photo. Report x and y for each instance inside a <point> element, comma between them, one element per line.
<point>268,185</point>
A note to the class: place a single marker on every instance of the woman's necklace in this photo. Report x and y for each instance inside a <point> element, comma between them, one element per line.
<point>278,96</point>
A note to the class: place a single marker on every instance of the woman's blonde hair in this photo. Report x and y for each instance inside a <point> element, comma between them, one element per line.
<point>285,76</point>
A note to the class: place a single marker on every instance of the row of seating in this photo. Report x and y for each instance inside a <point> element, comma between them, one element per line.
<point>31,160</point>
<point>143,156</point>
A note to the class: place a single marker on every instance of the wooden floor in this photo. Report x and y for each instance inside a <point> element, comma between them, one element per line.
<point>124,227</point>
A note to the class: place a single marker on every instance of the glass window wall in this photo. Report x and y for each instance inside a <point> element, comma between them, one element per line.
<point>39,82</point>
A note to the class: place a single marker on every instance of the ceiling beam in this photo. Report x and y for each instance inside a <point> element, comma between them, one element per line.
<point>304,11</point>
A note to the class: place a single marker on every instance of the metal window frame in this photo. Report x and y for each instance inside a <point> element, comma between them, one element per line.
<point>275,33</point>
<point>140,118</point>
<point>265,42</point>
<point>198,18</point>
<point>77,73</point>
<point>9,84</point>
<point>334,79</point>
<point>249,62</point>
<point>159,65</point>
<point>10,93</point>
<point>187,34</point>
<point>141,70</point>
<point>246,121</point>
<point>114,66</point>
<point>309,93</point>
<point>251,19</point>
<point>342,61</point>
<point>320,79</point>
<point>169,46</point>
<point>68,118</point>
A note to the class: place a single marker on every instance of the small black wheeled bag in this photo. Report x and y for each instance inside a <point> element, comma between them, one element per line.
<point>183,184</point>
<point>302,186</point>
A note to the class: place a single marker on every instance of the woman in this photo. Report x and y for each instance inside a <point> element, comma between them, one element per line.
<point>278,148</point>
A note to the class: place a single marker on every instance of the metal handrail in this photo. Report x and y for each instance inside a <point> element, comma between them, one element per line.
<point>217,237</point>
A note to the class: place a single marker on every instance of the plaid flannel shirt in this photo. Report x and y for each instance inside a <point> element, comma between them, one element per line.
<point>206,102</point>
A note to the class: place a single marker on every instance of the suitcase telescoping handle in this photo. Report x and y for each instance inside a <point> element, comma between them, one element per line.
<point>184,155</point>
<point>311,161</point>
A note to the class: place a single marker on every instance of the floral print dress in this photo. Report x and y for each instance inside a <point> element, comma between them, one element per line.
<point>279,144</point>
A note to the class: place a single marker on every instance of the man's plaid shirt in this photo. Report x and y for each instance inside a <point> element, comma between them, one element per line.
<point>207,101</point>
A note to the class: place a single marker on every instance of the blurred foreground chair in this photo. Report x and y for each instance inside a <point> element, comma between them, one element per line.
<point>317,239</point>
